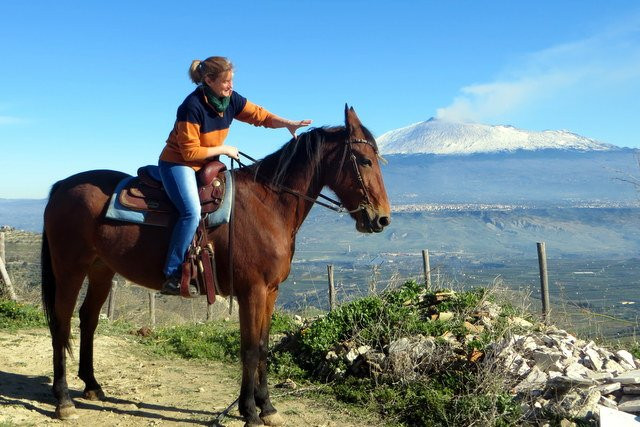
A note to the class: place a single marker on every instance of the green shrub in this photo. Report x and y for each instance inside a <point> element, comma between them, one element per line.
<point>213,341</point>
<point>282,322</point>
<point>15,315</point>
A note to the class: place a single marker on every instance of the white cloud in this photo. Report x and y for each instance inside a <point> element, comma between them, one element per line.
<point>610,59</point>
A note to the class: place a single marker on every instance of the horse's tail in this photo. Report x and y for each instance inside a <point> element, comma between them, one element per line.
<point>48,280</point>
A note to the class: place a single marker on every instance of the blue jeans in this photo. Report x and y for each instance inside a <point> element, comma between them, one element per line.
<point>182,188</point>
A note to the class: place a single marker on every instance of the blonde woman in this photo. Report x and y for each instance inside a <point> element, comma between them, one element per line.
<point>198,135</point>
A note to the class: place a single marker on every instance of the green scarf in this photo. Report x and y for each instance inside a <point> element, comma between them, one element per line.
<point>219,104</point>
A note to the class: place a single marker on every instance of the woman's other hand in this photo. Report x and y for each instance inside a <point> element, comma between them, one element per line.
<point>295,125</point>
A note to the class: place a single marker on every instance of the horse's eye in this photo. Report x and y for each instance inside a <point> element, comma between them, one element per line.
<point>366,162</point>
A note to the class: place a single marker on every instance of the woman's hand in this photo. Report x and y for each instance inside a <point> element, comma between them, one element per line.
<point>231,152</point>
<point>292,126</point>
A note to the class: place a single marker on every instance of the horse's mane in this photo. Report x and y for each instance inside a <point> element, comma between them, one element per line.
<point>303,151</point>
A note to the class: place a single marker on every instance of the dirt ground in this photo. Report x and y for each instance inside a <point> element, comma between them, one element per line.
<point>141,390</point>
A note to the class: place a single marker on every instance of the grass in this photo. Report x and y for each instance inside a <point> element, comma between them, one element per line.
<point>212,341</point>
<point>456,393</point>
<point>15,315</point>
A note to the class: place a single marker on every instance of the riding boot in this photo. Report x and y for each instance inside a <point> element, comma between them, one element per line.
<point>171,286</point>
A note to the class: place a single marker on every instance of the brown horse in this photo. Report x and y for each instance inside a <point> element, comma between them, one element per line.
<point>79,242</point>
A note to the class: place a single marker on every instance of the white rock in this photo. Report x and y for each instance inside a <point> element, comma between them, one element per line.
<point>593,359</point>
<point>613,367</point>
<point>625,356</point>
<point>629,404</point>
<point>599,376</point>
<point>576,370</point>
<point>609,403</point>
<point>609,388</point>
<point>629,377</point>
<point>545,360</point>
<point>519,321</point>
<point>612,418</point>
<point>534,380</point>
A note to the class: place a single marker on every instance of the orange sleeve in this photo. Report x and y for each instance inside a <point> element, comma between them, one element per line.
<point>255,115</point>
<point>188,141</point>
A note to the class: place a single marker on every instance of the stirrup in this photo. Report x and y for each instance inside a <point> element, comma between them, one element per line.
<point>171,286</point>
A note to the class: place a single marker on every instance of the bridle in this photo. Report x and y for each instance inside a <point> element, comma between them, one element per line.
<point>336,205</point>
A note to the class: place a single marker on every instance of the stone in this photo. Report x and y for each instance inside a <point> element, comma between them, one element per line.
<point>625,356</point>
<point>629,377</point>
<point>609,403</point>
<point>599,376</point>
<point>534,380</point>
<point>613,418</point>
<point>576,370</point>
<point>528,344</point>
<point>593,359</point>
<point>564,383</point>
<point>583,406</point>
<point>519,321</point>
<point>631,389</point>
<point>566,423</point>
<point>613,367</point>
<point>545,360</point>
<point>609,388</point>
<point>446,315</point>
<point>629,404</point>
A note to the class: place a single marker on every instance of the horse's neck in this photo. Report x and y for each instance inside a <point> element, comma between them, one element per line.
<point>285,197</point>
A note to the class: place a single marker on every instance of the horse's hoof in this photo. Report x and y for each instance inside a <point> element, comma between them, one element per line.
<point>272,419</point>
<point>97,394</point>
<point>253,424</point>
<point>67,412</point>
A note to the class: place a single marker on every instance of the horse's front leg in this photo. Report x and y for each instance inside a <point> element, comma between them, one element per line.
<point>268,413</point>
<point>252,306</point>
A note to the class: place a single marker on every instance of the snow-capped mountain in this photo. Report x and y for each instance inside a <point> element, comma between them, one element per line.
<point>436,136</point>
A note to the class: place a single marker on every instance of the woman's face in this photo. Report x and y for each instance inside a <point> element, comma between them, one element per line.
<point>223,85</point>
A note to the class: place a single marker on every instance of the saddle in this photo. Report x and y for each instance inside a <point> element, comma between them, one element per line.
<point>146,193</point>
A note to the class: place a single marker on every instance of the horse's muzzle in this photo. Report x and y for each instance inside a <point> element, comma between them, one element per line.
<point>372,222</point>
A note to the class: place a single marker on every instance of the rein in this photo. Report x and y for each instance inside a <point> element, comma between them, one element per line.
<point>337,206</point>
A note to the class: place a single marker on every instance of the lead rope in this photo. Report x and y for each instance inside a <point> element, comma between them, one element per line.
<point>233,202</point>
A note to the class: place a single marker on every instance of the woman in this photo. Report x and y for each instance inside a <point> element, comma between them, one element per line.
<point>198,135</point>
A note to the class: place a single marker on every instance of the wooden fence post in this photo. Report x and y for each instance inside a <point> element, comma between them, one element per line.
<point>426,268</point>
<point>152,309</point>
<point>544,284</point>
<point>4,275</point>
<point>373,283</point>
<point>332,288</point>
<point>2,246</point>
<point>112,300</point>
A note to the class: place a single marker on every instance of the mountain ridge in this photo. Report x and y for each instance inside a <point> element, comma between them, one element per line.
<point>436,136</point>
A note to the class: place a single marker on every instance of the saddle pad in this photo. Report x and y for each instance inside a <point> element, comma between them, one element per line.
<point>119,212</point>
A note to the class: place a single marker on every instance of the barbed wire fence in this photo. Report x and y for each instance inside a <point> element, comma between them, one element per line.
<point>596,298</point>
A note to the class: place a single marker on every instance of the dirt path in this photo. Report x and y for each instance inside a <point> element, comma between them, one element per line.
<point>141,390</point>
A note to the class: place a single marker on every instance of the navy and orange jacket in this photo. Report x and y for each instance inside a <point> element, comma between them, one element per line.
<point>199,125</point>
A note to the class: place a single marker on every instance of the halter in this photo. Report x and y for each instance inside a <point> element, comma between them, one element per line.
<point>338,207</point>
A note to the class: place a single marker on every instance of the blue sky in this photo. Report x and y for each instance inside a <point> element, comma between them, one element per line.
<point>95,85</point>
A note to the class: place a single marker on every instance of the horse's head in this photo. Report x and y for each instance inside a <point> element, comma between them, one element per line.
<point>359,183</point>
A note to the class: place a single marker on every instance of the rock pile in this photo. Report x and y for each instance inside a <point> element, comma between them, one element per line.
<point>553,373</point>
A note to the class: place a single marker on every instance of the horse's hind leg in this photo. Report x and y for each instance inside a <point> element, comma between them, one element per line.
<point>65,298</point>
<point>100,277</point>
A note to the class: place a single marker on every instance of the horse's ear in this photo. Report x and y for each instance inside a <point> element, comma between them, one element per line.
<point>351,120</point>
